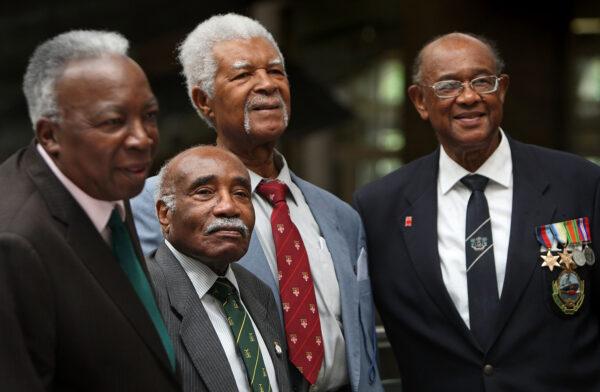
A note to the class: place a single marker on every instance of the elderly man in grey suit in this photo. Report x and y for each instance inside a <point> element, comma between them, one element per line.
<point>308,246</point>
<point>222,319</point>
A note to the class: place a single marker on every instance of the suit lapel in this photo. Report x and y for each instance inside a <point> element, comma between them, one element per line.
<point>530,209</point>
<point>421,238</point>
<point>88,245</point>
<point>197,334</point>
<point>344,271</point>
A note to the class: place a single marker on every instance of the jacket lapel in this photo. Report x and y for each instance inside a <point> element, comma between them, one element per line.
<point>89,246</point>
<point>199,339</point>
<point>530,209</point>
<point>344,271</point>
<point>421,238</point>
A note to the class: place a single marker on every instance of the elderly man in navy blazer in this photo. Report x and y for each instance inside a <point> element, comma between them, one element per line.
<point>308,246</point>
<point>481,252</point>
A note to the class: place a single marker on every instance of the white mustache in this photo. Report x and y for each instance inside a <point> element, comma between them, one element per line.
<point>228,224</point>
<point>259,100</point>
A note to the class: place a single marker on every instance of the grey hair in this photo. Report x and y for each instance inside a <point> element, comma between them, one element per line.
<point>49,59</point>
<point>165,192</point>
<point>491,45</point>
<point>196,52</point>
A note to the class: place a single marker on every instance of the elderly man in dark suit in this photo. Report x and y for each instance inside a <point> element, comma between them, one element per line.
<point>77,312</point>
<point>481,253</point>
<point>222,319</point>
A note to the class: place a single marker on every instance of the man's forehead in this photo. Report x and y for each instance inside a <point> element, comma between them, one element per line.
<point>456,54</point>
<point>246,50</point>
<point>208,163</point>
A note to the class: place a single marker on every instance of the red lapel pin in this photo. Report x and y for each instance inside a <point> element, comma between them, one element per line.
<point>408,221</point>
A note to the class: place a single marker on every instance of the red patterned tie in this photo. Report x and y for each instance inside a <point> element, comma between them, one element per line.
<point>296,288</point>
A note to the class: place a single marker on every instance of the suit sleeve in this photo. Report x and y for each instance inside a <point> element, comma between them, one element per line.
<point>144,215</point>
<point>27,332</point>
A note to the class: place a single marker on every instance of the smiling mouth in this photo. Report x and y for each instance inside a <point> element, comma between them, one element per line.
<point>469,116</point>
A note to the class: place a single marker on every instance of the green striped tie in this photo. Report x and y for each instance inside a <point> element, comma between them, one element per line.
<point>128,260</point>
<point>245,338</point>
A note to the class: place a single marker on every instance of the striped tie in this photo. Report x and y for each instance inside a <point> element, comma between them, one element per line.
<point>481,270</point>
<point>243,332</point>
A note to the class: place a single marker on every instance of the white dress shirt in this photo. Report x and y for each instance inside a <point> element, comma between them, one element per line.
<point>333,373</point>
<point>203,278</point>
<point>99,211</point>
<point>453,197</point>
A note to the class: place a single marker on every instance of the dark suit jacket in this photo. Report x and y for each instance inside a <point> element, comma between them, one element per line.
<point>69,318</point>
<point>536,348</point>
<point>201,360</point>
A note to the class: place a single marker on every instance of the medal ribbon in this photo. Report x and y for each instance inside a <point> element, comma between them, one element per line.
<point>572,231</point>
<point>560,232</point>
<point>583,226</point>
<point>544,236</point>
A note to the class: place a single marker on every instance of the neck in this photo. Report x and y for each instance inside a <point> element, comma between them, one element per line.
<point>260,159</point>
<point>472,160</point>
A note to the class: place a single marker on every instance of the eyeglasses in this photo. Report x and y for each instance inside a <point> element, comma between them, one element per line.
<point>453,88</point>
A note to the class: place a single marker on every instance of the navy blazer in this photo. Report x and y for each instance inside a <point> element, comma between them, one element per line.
<point>536,347</point>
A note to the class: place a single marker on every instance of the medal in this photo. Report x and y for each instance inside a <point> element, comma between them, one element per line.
<point>590,258</point>
<point>568,292</point>
<point>583,228</point>
<point>575,242</point>
<point>579,257</point>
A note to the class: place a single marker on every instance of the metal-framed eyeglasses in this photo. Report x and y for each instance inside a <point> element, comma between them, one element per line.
<point>453,88</point>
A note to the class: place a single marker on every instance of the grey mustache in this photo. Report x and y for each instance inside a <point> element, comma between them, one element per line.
<point>227,224</point>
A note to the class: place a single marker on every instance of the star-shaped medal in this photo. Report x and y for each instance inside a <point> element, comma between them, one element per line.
<point>566,259</point>
<point>550,261</point>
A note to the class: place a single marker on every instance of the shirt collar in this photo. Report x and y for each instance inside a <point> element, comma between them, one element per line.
<point>201,276</point>
<point>283,176</point>
<point>498,167</point>
<point>98,211</point>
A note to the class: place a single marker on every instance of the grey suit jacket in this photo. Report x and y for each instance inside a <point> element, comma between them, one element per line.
<point>342,229</point>
<point>201,361</point>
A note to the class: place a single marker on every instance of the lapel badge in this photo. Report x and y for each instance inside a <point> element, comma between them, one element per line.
<point>408,221</point>
<point>278,349</point>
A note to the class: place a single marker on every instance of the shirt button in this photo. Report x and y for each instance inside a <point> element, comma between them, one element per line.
<point>488,370</point>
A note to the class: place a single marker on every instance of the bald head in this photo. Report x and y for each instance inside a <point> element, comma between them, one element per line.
<point>452,41</point>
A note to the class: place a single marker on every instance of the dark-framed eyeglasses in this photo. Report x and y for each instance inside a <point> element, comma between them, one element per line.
<point>453,88</point>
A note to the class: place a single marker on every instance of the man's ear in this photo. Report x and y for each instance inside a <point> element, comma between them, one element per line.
<point>203,103</point>
<point>415,93</point>
<point>164,217</point>
<point>503,86</point>
<point>47,134</point>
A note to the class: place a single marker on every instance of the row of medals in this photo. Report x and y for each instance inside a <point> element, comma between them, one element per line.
<point>579,254</point>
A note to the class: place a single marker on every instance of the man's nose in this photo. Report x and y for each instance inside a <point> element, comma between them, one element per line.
<point>226,206</point>
<point>468,96</point>
<point>265,83</point>
<point>139,135</point>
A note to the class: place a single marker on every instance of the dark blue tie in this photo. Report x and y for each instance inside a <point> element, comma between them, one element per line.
<point>481,270</point>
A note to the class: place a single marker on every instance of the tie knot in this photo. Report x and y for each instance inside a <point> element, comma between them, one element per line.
<point>475,182</point>
<point>273,191</point>
<point>115,224</point>
<point>222,289</point>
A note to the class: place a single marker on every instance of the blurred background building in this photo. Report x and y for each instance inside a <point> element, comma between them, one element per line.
<point>349,65</point>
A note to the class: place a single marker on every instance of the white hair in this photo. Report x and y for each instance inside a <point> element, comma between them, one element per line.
<point>196,52</point>
<point>49,59</point>
<point>165,192</point>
